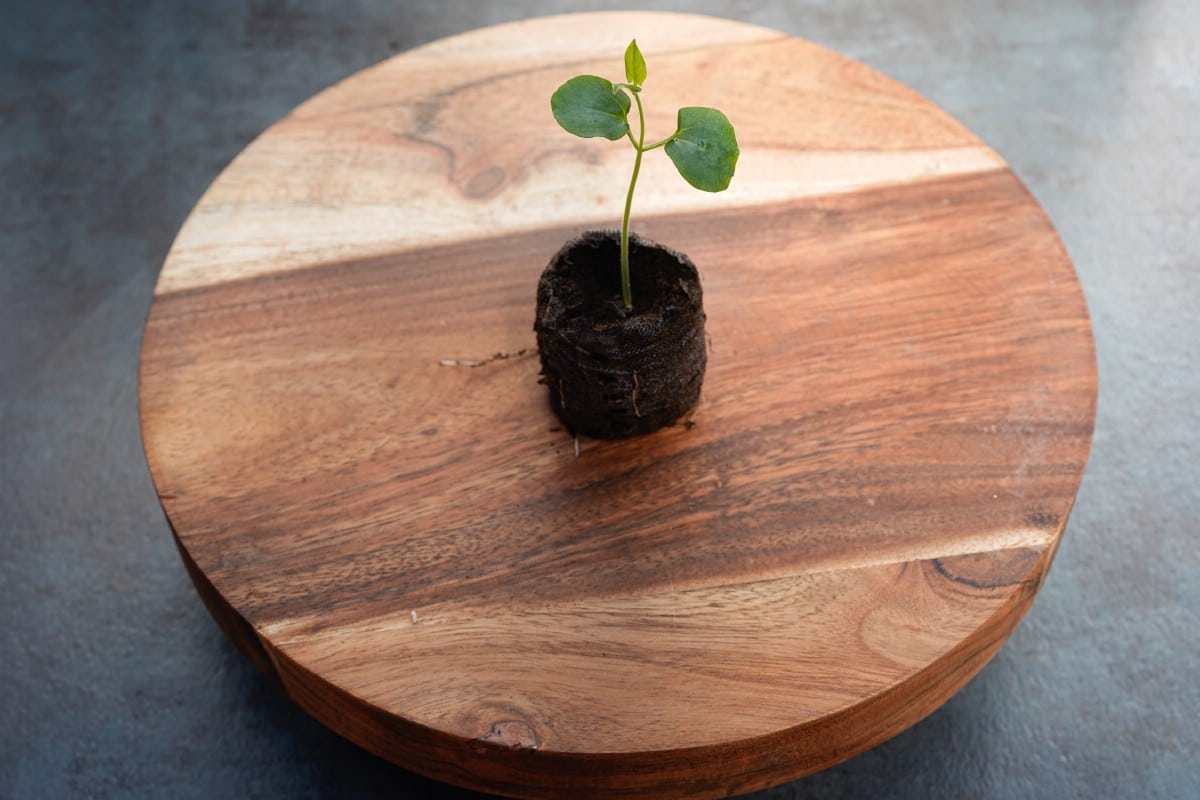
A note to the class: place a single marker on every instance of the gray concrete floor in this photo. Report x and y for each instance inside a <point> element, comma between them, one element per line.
<point>114,116</point>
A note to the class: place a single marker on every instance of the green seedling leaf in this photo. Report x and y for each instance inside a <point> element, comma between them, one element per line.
<point>704,148</point>
<point>589,106</point>
<point>635,64</point>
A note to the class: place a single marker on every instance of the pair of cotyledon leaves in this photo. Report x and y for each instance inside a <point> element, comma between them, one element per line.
<point>703,147</point>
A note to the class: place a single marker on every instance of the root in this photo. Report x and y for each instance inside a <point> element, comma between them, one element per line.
<point>464,362</point>
<point>690,422</point>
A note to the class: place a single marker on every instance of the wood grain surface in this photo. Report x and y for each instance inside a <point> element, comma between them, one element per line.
<point>341,412</point>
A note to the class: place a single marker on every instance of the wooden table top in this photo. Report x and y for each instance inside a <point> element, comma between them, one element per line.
<point>342,416</point>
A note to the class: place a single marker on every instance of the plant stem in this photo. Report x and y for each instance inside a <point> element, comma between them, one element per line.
<point>626,291</point>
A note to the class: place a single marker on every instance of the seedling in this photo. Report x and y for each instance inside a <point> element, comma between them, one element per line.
<point>703,147</point>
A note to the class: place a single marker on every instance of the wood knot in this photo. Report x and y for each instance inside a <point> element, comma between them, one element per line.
<point>1042,519</point>
<point>512,734</point>
<point>999,569</point>
<point>486,182</point>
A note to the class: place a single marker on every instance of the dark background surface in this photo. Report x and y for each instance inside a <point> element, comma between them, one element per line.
<point>115,116</point>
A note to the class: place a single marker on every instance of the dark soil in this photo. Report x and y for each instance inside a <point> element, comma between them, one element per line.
<point>611,372</point>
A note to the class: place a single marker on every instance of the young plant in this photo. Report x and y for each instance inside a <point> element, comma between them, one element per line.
<point>703,147</point>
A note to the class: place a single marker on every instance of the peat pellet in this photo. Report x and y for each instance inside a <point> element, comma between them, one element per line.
<point>613,372</point>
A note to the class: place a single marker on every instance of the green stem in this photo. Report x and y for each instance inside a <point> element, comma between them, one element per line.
<point>626,292</point>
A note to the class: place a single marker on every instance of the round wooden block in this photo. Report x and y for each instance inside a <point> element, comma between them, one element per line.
<point>342,415</point>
